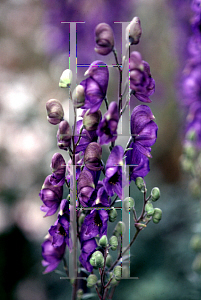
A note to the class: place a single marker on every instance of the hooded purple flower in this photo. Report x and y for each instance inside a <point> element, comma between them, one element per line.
<point>85,188</point>
<point>141,82</point>
<point>51,196</point>
<point>64,135</point>
<point>78,162</point>
<point>58,167</point>
<point>94,224</point>
<point>60,231</point>
<point>51,255</point>
<point>114,180</point>
<point>101,196</point>
<point>104,39</point>
<point>87,249</point>
<point>95,85</point>
<point>144,134</point>
<point>107,129</point>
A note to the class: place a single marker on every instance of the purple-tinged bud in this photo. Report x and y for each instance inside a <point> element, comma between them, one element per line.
<point>104,39</point>
<point>134,31</point>
<point>58,167</point>
<point>78,96</point>
<point>91,120</point>
<point>66,79</point>
<point>92,157</point>
<point>64,135</point>
<point>85,187</point>
<point>55,112</point>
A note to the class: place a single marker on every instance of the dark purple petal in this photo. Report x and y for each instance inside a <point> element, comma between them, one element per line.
<point>87,248</point>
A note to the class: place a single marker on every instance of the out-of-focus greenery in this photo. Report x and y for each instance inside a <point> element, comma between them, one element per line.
<point>161,256</point>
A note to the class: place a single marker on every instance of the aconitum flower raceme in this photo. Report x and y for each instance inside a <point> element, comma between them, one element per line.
<point>58,167</point>
<point>64,135</point>
<point>104,39</point>
<point>51,255</point>
<point>60,231</point>
<point>107,128</point>
<point>51,196</point>
<point>94,224</point>
<point>87,248</point>
<point>141,82</point>
<point>55,112</point>
<point>95,86</point>
<point>114,179</point>
<point>85,187</point>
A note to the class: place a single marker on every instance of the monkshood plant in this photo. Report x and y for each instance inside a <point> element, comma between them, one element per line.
<point>94,185</point>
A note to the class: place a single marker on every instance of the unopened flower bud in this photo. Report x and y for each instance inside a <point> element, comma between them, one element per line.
<point>197,263</point>
<point>118,272</point>
<point>78,96</point>
<point>157,215</point>
<point>97,259</point>
<point>91,280</point>
<point>91,120</point>
<point>66,79</point>
<point>104,39</point>
<point>140,184</point>
<point>134,31</point>
<point>64,135</point>
<point>112,214</point>
<point>128,203</point>
<point>103,241</point>
<point>108,260</point>
<point>55,112</point>
<point>155,194</point>
<point>189,150</point>
<point>119,228</point>
<point>79,294</point>
<point>92,157</point>
<point>113,242</point>
<point>195,243</point>
<point>149,209</point>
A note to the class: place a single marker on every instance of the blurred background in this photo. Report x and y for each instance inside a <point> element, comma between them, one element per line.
<point>34,48</point>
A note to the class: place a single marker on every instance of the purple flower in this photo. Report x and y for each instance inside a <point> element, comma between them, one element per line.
<point>95,85</point>
<point>85,187</point>
<point>92,157</point>
<point>64,135</point>
<point>196,6</point>
<point>87,249</point>
<point>144,134</point>
<point>101,196</point>
<point>86,137</point>
<point>114,180</point>
<point>58,167</point>
<point>60,231</point>
<point>141,82</point>
<point>94,224</point>
<point>107,129</point>
<point>104,39</point>
<point>51,196</point>
<point>78,162</point>
<point>51,255</point>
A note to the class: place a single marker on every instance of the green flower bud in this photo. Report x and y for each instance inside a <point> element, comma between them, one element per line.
<point>112,214</point>
<point>186,164</point>
<point>119,228</point>
<point>55,112</point>
<point>108,260</point>
<point>191,135</point>
<point>128,203</point>
<point>78,96</point>
<point>91,121</point>
<point>113,242</point>
<point>81,219</point>
<point>103,241</point>
<point>140,184</point>
<point>195,243</point>
<point>79,294</point>
<point>118,273</point>
<point>97,259</point>
<point>91,280</point>
<point>157,215</point>
<point>149,209</point>
<point>155,194</point>
<point>196,266</point>
<point>189,150</point>
<point>66,79</point>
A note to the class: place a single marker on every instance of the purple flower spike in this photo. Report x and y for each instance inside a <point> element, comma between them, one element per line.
<point>107,129</point>
<point>88,247</point>
<point>60,231</point>
<point>58,167</point>
<point>64,134</point>
<point>94,224</point>
<point>114,180</point>
<point>51,255</point>
<point>141,82</point>
<point>95,85</point>
<point>85,187</point>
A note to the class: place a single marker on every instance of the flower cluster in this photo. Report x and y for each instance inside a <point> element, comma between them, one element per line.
<point>98,183</point>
